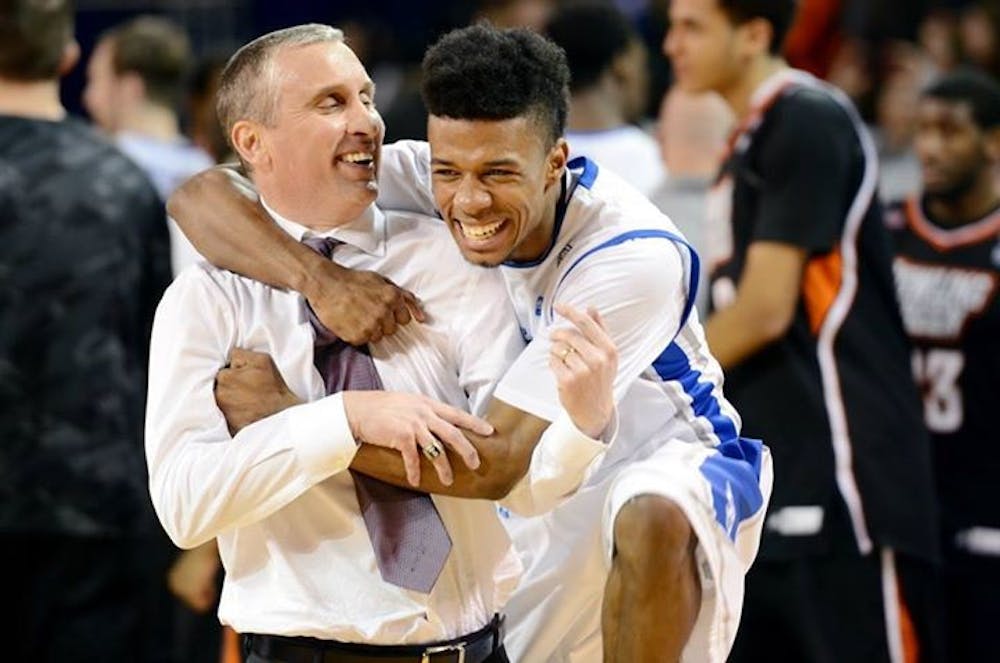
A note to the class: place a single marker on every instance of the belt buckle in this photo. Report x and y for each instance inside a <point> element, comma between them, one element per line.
<point>458,647</point>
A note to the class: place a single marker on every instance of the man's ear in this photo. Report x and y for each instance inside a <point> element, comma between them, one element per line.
<point>248,141</point>
<point>992,143</point>
<point>132,86</point>
<point>757,35</point>
<point>556,162</point>
<point>69,58</point>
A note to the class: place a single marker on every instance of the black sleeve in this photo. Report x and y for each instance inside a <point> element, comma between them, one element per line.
<point>809,164</point>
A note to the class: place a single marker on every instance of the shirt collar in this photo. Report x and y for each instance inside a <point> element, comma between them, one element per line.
<point>367,232</point>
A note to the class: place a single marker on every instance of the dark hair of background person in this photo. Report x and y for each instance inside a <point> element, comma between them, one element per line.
<point>779,13</point>
<point>482,73</point>
<point>157,50</point>
<point>593,34</point>
<point>34,34</point>
<point>979,90</point>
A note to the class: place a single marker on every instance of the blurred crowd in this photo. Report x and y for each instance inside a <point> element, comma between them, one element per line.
<point>147,82</point>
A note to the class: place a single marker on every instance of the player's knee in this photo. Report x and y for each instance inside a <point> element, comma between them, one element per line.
<point>653,530</point>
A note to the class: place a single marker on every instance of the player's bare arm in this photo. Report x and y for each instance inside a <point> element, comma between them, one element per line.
<point>226,223</point>
<point>766,297</point>
<point>492,463</point>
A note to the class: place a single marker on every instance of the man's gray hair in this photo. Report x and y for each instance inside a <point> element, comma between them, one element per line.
<point>246,86</point>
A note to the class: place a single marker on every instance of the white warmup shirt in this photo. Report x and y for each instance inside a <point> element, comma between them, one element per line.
<point>297,555</point>
<point>614,251</point>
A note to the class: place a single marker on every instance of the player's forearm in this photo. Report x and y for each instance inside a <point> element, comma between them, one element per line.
<point>735,334</point>
<point>504,458</point>
<point>225,222</point>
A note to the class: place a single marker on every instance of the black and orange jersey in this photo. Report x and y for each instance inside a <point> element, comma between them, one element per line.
<point>948,281</point>
<point>833,398</point>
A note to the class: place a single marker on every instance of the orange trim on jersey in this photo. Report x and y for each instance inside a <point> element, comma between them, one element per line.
<point>946,239</point>
<point>821,281</point>
<point>907,630</point>
<point>230,646</point>
<point>754,117</point>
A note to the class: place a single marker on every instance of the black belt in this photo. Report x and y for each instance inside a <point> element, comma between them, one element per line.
<point>473,648</point>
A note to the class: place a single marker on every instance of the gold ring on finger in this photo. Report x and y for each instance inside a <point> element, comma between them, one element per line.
<point>432,450</point>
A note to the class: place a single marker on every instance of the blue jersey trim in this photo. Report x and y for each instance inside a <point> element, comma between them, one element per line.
<point>734,471</point>
<point>644,234</point>
<point>735,486</point>
<point>673,365</point>
<point>590,169</point>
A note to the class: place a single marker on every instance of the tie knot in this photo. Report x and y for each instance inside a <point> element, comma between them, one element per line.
<point>321,245</point>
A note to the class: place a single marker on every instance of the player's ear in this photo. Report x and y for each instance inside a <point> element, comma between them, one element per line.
<point>993,145</point>
<point>756,36</point>
<point>555,163</point>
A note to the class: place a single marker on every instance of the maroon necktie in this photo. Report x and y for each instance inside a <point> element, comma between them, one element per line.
<point>410,541</point>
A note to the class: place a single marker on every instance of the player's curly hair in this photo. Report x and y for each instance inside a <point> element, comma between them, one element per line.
<point>483,73</point>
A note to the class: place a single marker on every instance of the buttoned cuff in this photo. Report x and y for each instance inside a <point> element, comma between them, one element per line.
<point>322,437</point>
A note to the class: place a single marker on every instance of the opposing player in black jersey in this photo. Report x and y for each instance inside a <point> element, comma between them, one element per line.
<point>948,275</point>
<point>806,325</point>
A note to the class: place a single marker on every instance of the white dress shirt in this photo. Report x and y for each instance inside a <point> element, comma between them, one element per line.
<point>277,497</point>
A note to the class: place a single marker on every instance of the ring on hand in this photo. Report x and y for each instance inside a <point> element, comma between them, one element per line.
<point>432,450</point>
<point>566,353</point>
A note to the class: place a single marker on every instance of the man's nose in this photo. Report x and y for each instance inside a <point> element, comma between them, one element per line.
<point>472,197</point>
<point>363,119</point>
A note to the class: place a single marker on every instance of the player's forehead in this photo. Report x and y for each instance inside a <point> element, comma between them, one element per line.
<point>955,111</point>
<point>514,140</point>
<point>694,11</point>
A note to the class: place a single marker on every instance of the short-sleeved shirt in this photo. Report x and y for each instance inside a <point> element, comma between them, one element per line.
<point>84,258</point>
<point>948,280</point>
<point>612,250</point>
<point>833,397</point>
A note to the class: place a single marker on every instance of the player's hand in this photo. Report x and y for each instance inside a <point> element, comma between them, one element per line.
<point>585,362</point>
<point>361,307</point>
<point>250,389</point>
<point>413,425</point>
<point>192,577</point>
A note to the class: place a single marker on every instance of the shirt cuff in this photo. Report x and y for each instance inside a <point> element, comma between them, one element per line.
<point>321,436</point>
<point>565,450</point>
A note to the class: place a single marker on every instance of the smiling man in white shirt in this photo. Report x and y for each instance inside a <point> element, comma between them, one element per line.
<point>302,574</point>
<point>651,552</point>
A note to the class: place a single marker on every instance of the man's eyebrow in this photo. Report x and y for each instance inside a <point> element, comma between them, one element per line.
<point>368,88</point>
<point>490,164</point>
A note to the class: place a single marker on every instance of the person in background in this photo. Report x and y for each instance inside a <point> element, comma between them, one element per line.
<point>608,88</point>
<point>84,258</point>
<point>135,81</point>
<point>692,130</point>
<point>806,325</point>
<point>947,269</point>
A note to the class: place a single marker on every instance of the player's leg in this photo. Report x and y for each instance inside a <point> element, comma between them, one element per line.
<point>653,592</point>
<point>680,529</point>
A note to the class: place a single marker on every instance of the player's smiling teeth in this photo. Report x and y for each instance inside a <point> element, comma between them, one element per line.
<point>358,157</point>
<point>480,232</point>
